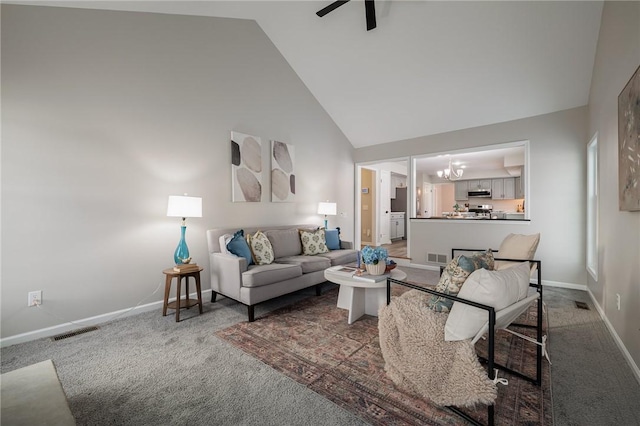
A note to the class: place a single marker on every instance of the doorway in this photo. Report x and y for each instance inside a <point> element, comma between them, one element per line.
<point>382,206</point>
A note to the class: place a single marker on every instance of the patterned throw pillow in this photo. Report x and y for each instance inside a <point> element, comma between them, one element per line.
<point>455,274</point>
<point>313,242</point>
<point>260,248</point>
<point>476,261</point>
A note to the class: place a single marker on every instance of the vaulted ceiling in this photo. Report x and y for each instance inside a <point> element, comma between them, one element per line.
<point>429,67</point>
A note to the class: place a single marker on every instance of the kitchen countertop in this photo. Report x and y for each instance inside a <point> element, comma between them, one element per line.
<point>475,219</point>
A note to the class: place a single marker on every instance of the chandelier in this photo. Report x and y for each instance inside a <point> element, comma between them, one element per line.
<point>450,173</point>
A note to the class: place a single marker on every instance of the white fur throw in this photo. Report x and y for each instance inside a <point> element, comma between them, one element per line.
<point>418,359</point>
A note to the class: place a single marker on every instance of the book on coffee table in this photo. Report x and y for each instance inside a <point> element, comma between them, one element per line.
<point>365,276</point>
<point>347,271</point>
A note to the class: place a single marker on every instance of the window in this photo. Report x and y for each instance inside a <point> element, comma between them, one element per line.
<point>592,207</point>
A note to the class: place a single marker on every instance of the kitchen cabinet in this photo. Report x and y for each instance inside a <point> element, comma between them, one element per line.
<point>509,189</point>
<point>462,190</point>
<point>503,189</point>
<point>519,183</point>
<point>480,184</point>
<point>396,228</point>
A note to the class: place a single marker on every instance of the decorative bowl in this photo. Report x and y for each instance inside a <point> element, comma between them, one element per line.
<point>390,267</point>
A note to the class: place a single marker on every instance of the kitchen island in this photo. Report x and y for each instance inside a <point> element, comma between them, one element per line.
<point>470,219</point>
<point>433,238</point>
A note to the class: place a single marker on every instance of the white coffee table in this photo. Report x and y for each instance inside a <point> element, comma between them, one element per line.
<point>361,297</point>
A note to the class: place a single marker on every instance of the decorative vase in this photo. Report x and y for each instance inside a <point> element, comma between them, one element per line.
<point>377,269</point>
<point>182,252</point>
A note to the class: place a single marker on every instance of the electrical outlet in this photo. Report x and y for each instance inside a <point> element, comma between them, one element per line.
<point>35,298</point>
<point>618,301</point>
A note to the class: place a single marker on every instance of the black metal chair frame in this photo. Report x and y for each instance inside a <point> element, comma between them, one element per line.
<point>491,313</point>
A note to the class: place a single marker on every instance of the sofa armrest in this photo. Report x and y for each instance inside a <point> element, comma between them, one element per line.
<point>226,273</point>
<point>346,244</point>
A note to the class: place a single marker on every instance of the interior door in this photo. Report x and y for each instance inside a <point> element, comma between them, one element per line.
<point>427,201</point>
<point>384,207</point>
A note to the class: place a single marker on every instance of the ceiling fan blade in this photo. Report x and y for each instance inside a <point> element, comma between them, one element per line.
<point>370,13</point>
<point>331,7</point>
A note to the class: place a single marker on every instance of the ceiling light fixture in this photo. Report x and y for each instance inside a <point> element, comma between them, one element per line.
<point>450,173</point>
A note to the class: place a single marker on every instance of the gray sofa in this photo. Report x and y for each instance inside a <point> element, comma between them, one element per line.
<point>291,270</point>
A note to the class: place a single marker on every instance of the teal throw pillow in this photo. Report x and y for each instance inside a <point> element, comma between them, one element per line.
<point>239,246</point>
<point>332,237</point>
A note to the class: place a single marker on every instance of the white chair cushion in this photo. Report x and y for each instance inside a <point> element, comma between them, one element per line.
<point>516,246</point>
<point>498,289</point>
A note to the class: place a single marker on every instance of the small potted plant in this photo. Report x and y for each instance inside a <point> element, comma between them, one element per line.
<point>375,259</point>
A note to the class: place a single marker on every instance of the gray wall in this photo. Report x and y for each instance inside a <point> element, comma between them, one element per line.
<point>617,58</point>
<point>557,191</point>
<point>104,115</point>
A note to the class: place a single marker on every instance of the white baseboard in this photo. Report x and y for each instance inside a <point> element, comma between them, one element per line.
<point>559,284</point>
<point>614,334</point>
<point>86,322</point>
<point>428,267</point>
<point>547,283</point>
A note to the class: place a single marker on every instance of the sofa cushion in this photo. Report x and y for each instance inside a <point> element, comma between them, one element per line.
<point>332,238</point>
<point>307,263</point>
<point>260,248</point>
<point>493,288</point>
<point>239,246</point>
<point>313,242</point>
<point>341,257</point>
<point>259,275</point>
<point>285,242</point>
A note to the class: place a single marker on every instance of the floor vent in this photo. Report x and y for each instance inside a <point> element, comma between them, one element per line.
<point>582,305</point>
<point>74,333</point>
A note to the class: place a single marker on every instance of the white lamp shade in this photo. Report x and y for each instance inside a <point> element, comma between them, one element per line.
<point>183,206</point>
<point>327,209</point>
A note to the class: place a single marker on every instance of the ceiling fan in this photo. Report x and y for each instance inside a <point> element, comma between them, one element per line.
<point>369,9</point>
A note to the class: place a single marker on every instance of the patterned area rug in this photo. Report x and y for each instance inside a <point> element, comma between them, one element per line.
<point>312,343</point>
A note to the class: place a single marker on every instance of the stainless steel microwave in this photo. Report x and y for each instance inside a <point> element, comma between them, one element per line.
<point>484,193</point>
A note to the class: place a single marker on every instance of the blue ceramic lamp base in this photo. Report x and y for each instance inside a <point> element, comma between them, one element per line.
<point>182,251</point>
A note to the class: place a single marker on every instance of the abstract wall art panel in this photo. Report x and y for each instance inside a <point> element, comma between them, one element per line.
<point>283,178</point>
<point>629,145</point>
<point>246,168</point>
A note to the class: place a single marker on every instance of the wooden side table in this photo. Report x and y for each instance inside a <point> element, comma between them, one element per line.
<point>184,303</point>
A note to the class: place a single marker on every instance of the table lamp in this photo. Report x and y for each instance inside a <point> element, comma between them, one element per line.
<point>327,209</point>
<point>184,207</point>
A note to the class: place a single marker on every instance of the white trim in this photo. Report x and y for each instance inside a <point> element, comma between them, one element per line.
<point>86,322</point>
<point>428,267</point>
<point>614,334</point>
<point>557,284</point>
<point>545,283</point>
<point>592,208</point>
